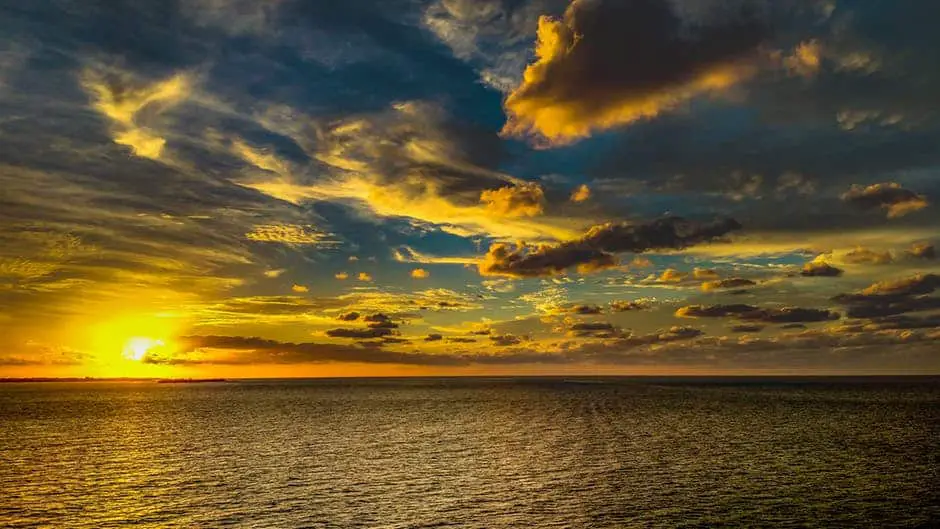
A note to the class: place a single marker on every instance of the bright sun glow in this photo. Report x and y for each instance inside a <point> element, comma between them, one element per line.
<point>137,348</point>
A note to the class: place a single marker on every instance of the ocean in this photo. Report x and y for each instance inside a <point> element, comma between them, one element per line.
<point>472,453</point>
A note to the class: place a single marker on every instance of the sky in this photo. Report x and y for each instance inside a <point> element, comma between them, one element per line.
<point>246,188</point>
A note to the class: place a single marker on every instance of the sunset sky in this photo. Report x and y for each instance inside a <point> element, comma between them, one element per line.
<point>248,188</point>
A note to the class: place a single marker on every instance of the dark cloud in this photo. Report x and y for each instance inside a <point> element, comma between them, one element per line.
<point>731,282</point>
<point>673,334</point>
<point>379,321</point>
<point>372,332</point>
<point>433,338</point>
<point>908,286</point>
<point>752,313</point>
<point>593,326</point>
<point>903,322</point>
<point>505,340</point>
<point>877,308</point>
<point>820,269</point>
<point>582,310</point>
<point>612,62</point>
<point>383,325</point>
<point>594,330</point>
<point>348,316</point>
<point>893,297</point>
<point>747,328</point>
<point>596,248</point>
<point>261,351</point>
<point>866,256</point>
<point>893,198</point>
<point>922,250</point>
<point>715,311</point>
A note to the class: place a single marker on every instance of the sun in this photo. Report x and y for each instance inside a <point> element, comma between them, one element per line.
<point>137,348</point>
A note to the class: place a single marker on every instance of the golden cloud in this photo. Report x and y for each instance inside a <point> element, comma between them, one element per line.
<point>890,196</point>
<point>522,200</point>
<point>806,59</point>
<point>608,63</point>
<point>290,234</point>
<point>596,249</point>
<point>581,194</point>
<point>132,108</point>
<point>411,161</point>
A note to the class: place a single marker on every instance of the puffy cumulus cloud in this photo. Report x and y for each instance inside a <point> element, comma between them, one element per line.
<point>364,276</point>
<point>806,58</point>
<point>704,273</point>
<point>729,283</point>
<point>524,260</point>
<point>300,289</point>
<point>819,268</point>
<point>867,256</point>
<point>581,309</point>
<point>752,313</point>
<point>878,307</point>
<point>913,285</point>
<point>922,250</point>
<point>342,276</point>
<point>714,311</point>
<point>593,329</point>
<point>420,273</point>
<point>581,194</point>
<point>348,316</point>
<point>617,341</point>
<point>612,62</point>
<point>893,297</point>
<point>377,318</point>
<point>595,249</point>
<point>522,200</point>
<point>671,275</point>
<point>413,161</point>
<point>134,107</point>
<point>299,235</point>
<point>792,315</point>
<point>890,196</point>
<point>627,306</point>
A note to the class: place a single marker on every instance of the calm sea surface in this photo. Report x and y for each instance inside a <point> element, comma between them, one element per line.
<point>484,453</point>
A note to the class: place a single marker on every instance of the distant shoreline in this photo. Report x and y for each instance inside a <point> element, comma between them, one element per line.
<point>112,379</point>
<point>581,379</point>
